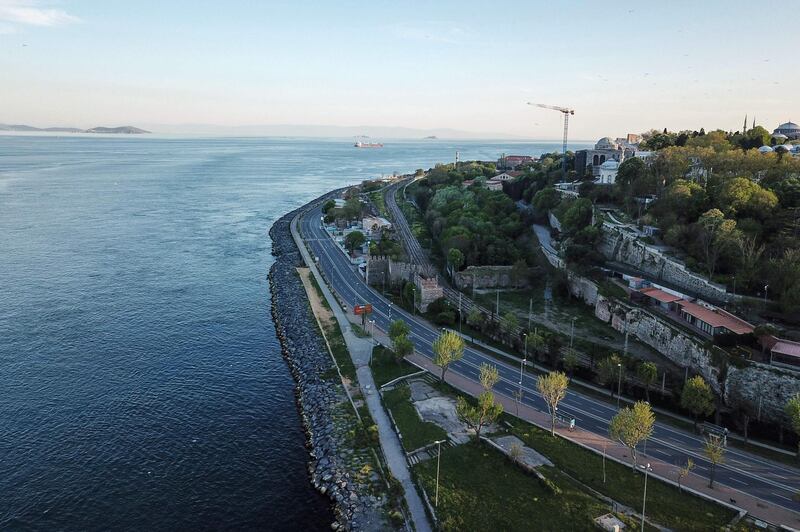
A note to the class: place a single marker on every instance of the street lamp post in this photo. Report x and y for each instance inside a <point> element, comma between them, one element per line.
<point>438,462</point>
<point>572,333</point>
<point>414,301</point>
<point>390,313</point>
<point>619,383</point>
<point>644,498</point>
<point>766,288</point>
<point>522,362</point>
<point>459,313</point>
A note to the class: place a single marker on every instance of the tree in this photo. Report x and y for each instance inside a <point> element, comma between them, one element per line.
<point>519,271</point>
<point>697,398</point>
<point>447,348</point>
<point>716,234</point>
<point>327,206</point>
<point>354,240</point>
<point>570,360</point>
<point>515,452</point>
<point>647,373</point>
<point>684,471</point>
<point>546,199</point>
<point>488,376</point>
<point>474,318</point>
<point>509,323</point>
<point>455,259</point>
<point>714,450</point>
<point>477,417</point>
<point>631,425</point>
<point>398,328</point>
<point>578,215</point>
<point>553,388</point>
<point>792,410</point>
<point>610,371</point>
<point>742,196</point>
<point>402,347</point>
<point>536,341</point>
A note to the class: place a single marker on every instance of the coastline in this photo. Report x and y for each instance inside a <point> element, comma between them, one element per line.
<point>317,399</point>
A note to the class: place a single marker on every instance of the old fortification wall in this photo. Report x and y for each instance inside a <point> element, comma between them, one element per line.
<point>489,277</point>
<point>740,388</point>
<point>620,246</point>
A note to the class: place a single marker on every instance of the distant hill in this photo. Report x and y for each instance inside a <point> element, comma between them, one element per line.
<point>124,130</point>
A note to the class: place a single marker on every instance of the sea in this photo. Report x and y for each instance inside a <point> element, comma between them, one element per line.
<point>141,382</point>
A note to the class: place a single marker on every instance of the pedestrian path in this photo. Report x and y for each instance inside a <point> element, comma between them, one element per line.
<point>360,352</point>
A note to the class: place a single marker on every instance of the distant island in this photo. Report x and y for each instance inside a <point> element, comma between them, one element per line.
<point>431,137</point>
<point>123,130</point>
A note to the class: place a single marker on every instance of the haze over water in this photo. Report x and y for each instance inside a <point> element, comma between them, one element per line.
<point>141,382</point>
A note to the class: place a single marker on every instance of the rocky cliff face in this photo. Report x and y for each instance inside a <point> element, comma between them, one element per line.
<point>619,246</point>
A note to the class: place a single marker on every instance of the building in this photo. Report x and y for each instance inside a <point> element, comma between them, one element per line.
<point>789,129</point>
<point>712,320</point>
<point>512,162</point>
<point>608,173</point>
<point>373,225</point>
<point>605,149</point>
<point>656,297</point>
<point>785,353</point>
<point>496,182</point>
<point>427,290</point>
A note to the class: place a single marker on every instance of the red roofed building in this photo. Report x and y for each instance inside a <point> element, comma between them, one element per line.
<point>785,353</point>
<point>512,162</point>
<point>712,321</point>
<point>658,297</point>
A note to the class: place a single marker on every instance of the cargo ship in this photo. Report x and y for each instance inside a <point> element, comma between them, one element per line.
<point>365,144</point>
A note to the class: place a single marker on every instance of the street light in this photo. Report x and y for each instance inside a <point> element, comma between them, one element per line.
<point>438,462</point>
<point>647,469</point>
<point>619,384</point>
<point>413,300</point>
<point>390,313</point>
<point>522,362</point>
<point>766,288</point>
<point>572,333</point>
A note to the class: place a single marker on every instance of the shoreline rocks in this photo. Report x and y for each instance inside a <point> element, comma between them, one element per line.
<point>317,399</point>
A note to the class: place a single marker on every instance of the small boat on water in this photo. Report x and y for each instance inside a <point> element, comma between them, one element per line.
<point>360,144</point>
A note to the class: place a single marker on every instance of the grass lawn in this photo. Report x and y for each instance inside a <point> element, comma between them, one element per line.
<point>339,350</point>
<point>479,489</point>
<point>665,504</point>
<point>385,367</point>
<point>416,433</point>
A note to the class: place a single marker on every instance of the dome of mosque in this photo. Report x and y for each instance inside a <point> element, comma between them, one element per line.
<point>765,149</point>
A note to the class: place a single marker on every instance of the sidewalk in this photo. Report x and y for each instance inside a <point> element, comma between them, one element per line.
<point>360,352</point>
<point>615,451</point>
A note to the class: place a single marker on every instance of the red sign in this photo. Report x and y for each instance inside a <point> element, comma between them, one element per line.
<point>362,309</point>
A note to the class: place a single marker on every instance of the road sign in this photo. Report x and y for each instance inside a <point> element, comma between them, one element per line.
<point>363,309</point>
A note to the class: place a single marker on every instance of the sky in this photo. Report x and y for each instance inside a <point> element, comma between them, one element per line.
<point>469,66</point>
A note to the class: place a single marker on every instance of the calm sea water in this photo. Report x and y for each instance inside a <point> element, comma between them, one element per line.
<point>141,382</point>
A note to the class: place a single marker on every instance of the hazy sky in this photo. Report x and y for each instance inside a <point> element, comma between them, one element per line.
<point>432,64</point>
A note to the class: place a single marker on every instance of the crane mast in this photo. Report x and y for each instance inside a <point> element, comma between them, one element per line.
<point>566,112</point>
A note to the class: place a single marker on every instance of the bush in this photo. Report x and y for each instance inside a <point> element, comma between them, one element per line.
<point>448,317</point>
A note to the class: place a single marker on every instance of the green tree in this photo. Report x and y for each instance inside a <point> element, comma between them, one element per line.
<point>647,373</point>
<point>488,376</point>
<point>698,398</point>
<point>509,323</point>
<point>546,199</point>
<point>455,259</point>
<point>578,215</point>
<point>632,425</point>
<point>714,450</point>
<point>537,342</point>
<point>684,471</point>
<point>792,410</point>
<point>611,371</point>
<point>327,206</point>
<point>476,417</point>
<point>398,328</point>
<point>715,236</point>
<point>447,348</point>
<point>354,240</point>
<point>570,360</point>
<point>474,318</point>
<point>553,388</point>
<point>742,197</point>
<point>402,347</point>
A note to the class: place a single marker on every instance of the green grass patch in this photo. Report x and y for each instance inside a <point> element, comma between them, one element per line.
<point>665,504</point>
<point>317,288</point>
<point>479,489</point>
<point>385,367</point>
<point>416,433</point>
<point>340,351</point>
<point>377,199</point>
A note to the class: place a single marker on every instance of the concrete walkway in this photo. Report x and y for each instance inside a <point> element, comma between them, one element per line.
<point>360,352</point>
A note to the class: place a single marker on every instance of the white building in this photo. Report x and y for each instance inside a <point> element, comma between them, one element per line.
<point>608,173</point>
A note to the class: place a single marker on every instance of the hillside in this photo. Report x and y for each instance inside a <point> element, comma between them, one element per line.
<point>125,130</point>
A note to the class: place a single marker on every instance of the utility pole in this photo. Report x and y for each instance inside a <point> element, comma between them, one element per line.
<point>572,333</point>
<point>619,384</point>
<point>530,312</point>
<point>644,498</point>
<point>460,320</point>
<point>438,462</point>
<point>497,303</point>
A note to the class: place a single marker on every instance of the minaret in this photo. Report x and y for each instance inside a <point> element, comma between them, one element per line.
<point>744,128</point>
<point>754,122</point>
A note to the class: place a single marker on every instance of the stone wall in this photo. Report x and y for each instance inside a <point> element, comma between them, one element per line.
<point>739,388</point>
<point>621,246</point>
<point>488,277</point>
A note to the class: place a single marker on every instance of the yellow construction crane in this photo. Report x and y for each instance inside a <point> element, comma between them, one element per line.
<point>566,112</point>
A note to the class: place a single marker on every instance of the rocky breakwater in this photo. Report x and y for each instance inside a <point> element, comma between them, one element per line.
<point>320,400</point>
